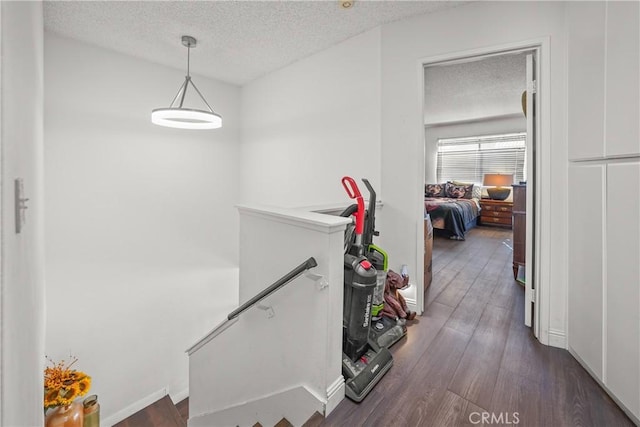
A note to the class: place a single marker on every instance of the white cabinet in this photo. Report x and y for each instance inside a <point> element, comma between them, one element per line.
<point>586,67</point>
<point>604,274</point>
<point>622,345</point>
<point>622,104</point>
<point>585,264</point>
<point>604,197</point>
<point>603,79</point>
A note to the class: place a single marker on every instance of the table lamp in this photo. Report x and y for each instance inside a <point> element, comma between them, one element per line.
<point>500,185</point>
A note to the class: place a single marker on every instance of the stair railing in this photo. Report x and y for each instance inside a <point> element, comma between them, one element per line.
<point>290,276</point>
<point>232,317</point>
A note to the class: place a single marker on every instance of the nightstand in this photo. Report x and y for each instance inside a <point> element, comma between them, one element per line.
<point>496,212</point>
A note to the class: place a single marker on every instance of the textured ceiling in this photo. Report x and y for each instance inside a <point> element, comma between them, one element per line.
<point>490,87</point>
<point>238,41</point>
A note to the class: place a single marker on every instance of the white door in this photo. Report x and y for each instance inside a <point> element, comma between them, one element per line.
<point>531,317</point>
<point>22,278</point>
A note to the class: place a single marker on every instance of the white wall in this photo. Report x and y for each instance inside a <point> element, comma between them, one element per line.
<point>309,111</point>
<point>142,233</point>
<point>22,293</point>
<point>405,45</point>
<point>309,124</point>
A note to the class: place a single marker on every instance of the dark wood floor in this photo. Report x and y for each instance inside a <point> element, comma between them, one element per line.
<point>471,353</point>
<point>162,413</point>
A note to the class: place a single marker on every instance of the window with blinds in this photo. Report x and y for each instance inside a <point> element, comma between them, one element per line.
<point>468,159</point>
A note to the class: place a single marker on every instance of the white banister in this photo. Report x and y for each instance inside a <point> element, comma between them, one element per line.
<point>296,345</point>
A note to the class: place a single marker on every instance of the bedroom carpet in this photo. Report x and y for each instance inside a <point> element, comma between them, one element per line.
<point>470,354</point>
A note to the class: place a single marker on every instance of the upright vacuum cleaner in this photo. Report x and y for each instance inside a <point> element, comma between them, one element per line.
<point>384,331</point>
<point>364,363</point>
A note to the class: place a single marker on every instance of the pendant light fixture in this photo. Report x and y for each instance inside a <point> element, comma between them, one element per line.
<point>177,116</point>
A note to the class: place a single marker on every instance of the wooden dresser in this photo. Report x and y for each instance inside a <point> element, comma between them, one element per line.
<point>519,227</point>
<point>495,212</point>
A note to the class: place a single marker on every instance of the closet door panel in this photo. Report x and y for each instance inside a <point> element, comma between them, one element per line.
<point>586,59</point>
<point>623,284</point>
<point>622,105</point>
<point>586,206</point>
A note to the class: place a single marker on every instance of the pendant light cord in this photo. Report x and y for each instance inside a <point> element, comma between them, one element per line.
<point>187,79</point>
<point>182,92</point>
<point>188,58</point>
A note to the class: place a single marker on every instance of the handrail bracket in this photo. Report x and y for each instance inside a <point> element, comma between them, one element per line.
<point>319,279</point>
<point>267,309</point>
<point>308,264</point>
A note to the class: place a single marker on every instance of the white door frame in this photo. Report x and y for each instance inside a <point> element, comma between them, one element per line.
<point>542,183</point>
<point>2,190</point>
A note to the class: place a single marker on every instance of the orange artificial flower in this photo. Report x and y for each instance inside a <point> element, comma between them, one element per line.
<point>62,385</point>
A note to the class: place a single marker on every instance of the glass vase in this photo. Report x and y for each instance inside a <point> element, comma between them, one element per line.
<point>91,411</point>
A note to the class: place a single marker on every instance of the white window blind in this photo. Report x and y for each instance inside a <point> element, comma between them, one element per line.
<point>468,159</point>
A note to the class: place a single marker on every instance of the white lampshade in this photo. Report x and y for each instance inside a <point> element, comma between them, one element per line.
<point>186,118</point>
<point>497,180</point>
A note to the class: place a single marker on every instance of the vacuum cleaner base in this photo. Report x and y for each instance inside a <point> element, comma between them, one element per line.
<point>385,332</point>
<point>363,374</point>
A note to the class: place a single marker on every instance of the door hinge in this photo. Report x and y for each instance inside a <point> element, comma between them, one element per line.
<point>533,86</point>
<point>532,295</point>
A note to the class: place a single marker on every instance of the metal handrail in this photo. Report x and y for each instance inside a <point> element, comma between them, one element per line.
<point>308,264</point>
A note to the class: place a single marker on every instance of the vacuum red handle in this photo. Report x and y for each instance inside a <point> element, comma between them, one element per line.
<point>353,191</point>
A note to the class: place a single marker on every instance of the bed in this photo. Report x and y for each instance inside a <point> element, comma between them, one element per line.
<point>452,208</point>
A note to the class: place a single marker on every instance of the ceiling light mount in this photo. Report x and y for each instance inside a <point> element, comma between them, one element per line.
<point>346,4</point>
<point>177,116</point>
<point>188,41</point>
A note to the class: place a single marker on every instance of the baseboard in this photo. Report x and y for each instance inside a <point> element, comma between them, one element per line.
<point>179,396</point>
<point>412,303</point>
<point>557,338</point>
<point>335,394</point>
<point>297,404</point>
<point>133,408</point>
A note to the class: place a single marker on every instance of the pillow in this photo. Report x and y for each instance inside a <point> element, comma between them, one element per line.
<point>458,191</point>
<point>477,189</point>
<point>434,190</point>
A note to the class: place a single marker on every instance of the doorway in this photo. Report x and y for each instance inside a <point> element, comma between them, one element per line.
<point>481,119</point>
